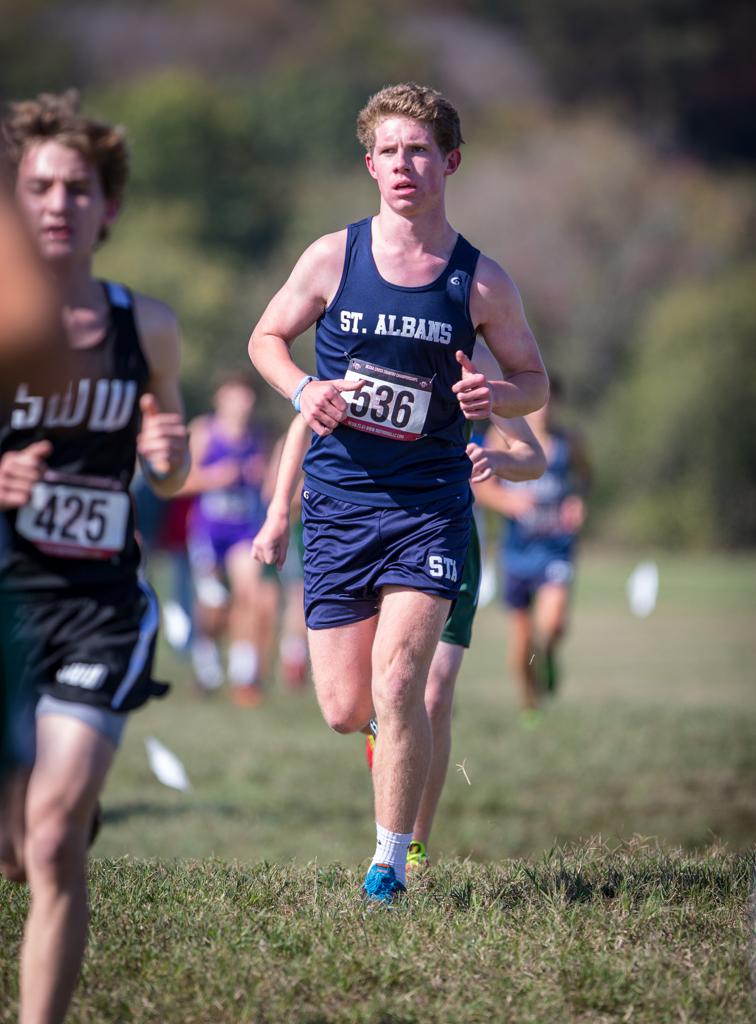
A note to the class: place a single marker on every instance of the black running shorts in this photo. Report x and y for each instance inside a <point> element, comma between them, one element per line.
<point>95,647</point>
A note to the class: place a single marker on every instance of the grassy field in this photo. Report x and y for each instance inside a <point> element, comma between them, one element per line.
<point>653,735</point>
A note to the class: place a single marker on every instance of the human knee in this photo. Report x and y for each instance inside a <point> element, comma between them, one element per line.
<point>345,720</point>
<point>554,632</point>
<point>395,694</point>
<point>55,849</point>
<point>438,704</point>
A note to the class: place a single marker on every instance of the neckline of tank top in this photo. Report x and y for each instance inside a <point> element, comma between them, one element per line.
<point>407,287</point>
<point>109,323</point>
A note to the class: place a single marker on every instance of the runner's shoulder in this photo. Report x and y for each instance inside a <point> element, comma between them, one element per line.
<point>326,251</point>
<point>491,277</point>
<point>494,293</point>
<point>153,315</point>
<point>158,328</point>
<point>321,265</point>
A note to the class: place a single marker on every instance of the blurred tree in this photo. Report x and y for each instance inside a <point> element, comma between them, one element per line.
<point>593,225</point>
<point>676,448</point>
<point>30,59</point>
<point>241,118</point>
<point>683,69</point>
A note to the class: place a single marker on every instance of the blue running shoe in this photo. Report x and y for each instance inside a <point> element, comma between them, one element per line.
<point>381,884</point>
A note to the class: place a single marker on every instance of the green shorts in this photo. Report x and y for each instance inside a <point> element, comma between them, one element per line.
<point>458,627</point>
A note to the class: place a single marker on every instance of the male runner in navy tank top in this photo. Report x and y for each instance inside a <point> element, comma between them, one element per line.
<point>71,599</point>
<point>398,300</point>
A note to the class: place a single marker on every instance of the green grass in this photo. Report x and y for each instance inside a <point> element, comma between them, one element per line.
<point>590,934</point>
<point>653,735</point>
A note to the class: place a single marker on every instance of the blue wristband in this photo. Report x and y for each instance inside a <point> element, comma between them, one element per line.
<point>296,398</point>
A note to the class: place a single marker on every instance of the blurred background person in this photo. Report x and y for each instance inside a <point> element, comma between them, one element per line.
<point>292,631</point>
<point>230,455</point>
<point>162,526</point>
<point>539,545</point>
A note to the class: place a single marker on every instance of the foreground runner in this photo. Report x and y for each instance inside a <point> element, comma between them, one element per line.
<point>29,336</point>
<point>69,587</point>
<point>520,457</point>
<point>398,300</point>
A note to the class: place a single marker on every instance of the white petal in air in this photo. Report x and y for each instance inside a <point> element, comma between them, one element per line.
<point>177,625</point>
<point>166,766</point>
<point>488,583</point>
<point>642,589</point>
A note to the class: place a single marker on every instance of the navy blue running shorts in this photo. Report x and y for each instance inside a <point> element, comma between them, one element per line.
<point>520,591</point>
<point>351,551</point>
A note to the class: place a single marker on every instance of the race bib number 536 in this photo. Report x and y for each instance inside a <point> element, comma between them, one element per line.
<point>391,403</point>
<point>75,521</point>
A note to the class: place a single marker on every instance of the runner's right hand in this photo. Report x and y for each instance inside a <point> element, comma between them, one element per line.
<point>272,540</point>
<point>322,406</point>
<point>20,471</point>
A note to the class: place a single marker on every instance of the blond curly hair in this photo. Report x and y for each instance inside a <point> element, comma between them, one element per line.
<point>418,102</point>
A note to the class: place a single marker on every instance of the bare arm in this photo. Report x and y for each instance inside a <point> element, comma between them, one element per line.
<point>299,303</point>
<point>496,310</point>
<point>272,541</point>
<point>580,464</point>
<point>200,479</point>
<point>511,450</point>
<point>515,452</point>
<point>163,442</point>
<point>572,512</point>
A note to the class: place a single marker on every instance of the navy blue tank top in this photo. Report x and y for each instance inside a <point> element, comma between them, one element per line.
<point>539,537</point>
<point>403,442</point>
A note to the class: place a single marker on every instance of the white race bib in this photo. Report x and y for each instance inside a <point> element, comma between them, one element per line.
<point>391,403</point>
<point>74,521</point>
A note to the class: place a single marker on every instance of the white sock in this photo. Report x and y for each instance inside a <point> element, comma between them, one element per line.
<point>243,663</point>
<point>206,662</point>
<point>391,849</point>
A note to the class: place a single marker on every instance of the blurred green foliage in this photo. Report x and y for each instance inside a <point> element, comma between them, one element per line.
<point>609,167</point>
<point>680,450</point>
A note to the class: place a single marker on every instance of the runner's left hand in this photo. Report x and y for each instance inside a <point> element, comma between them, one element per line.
<point>272,540</point>
<point>482,468</point>
<point>473,391</point>
<point>163,438</point>
<point>572,513</point>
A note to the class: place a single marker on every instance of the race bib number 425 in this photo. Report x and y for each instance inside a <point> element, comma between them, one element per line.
<point>391,403</point>
<point>74,521</point>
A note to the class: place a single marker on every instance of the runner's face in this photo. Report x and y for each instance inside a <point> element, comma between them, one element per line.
<point>60,195</point>
<point>407,164</point>
<point>235,402</point>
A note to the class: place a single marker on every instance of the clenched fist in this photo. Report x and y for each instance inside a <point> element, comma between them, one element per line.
<point>162,440</point>
<point>20,471</point>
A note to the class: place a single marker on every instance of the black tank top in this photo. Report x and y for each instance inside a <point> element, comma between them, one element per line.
<point>78,529</point>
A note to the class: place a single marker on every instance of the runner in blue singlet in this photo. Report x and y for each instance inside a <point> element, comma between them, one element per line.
<point>539,546</point>
<point>386,506</point>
